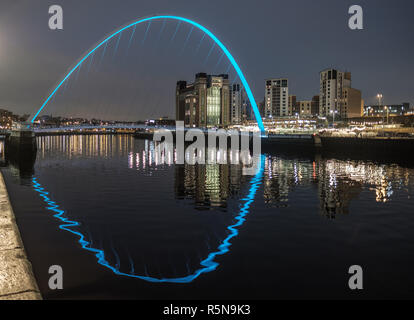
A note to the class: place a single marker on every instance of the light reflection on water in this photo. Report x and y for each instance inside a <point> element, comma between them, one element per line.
<point>281,175</point>
<point>337,181</point>
<point>163,219</point>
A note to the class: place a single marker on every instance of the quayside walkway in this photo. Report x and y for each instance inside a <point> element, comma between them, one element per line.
<point>17,281</point>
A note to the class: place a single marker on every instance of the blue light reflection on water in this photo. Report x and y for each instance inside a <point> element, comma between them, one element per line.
<point>208,264</point>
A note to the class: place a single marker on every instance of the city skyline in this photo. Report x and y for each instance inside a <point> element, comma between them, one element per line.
<point>264,60</point>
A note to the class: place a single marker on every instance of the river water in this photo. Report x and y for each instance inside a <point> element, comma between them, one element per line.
<point>121,224</point>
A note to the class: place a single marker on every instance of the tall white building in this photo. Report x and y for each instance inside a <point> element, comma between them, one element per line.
<point>276,98</point>
<point>332,85</point>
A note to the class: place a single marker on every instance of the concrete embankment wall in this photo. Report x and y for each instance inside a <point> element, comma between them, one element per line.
<point>17,281</point>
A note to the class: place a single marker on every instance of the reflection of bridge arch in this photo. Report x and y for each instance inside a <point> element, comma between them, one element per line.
<point>193,23</point>
<point>207,265</point>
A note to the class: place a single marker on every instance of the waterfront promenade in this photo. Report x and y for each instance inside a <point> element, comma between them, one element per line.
<point>17,281</point>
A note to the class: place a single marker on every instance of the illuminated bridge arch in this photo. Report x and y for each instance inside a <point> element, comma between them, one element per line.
<point>193,23</point>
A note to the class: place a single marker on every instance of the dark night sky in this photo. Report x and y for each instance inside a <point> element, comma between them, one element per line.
<point>294,39</point>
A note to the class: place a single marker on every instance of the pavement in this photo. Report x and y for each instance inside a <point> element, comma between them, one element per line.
<point>17,281</point>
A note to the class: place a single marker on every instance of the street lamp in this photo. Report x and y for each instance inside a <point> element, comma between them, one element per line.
<point>379,97</point>
<point>386,108</point>
<point>333,116</point>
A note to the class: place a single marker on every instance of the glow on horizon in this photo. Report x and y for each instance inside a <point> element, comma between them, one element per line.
<point>208,264</point>
<point>199,26</point>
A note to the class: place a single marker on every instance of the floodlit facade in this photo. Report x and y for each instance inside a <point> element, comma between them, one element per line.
<point>204,103</point>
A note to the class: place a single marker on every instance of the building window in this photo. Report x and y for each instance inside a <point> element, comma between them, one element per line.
<point>213,106</point>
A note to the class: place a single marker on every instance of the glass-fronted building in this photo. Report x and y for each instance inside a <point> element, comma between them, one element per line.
<point>204,103</point>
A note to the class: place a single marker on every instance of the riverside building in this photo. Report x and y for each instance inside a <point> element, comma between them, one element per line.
<point>337,97</point>
<point>276,98</point>
<point>205,103</point>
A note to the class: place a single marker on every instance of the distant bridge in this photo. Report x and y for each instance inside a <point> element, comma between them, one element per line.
<point>91,127</point>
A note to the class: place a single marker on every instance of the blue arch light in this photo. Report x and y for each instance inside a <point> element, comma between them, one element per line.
<point>199,26</point>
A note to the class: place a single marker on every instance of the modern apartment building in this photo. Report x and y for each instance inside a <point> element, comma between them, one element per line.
<point>305,107</point>
<point>337,96</point>
<point>204,103</point>
<point>332,84</point>
<point>240,107</point>
<point>352,105</point>
<point>236,103</point>
<point>315,105</point>
<point>276,98</point>
<point>292,106</point>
